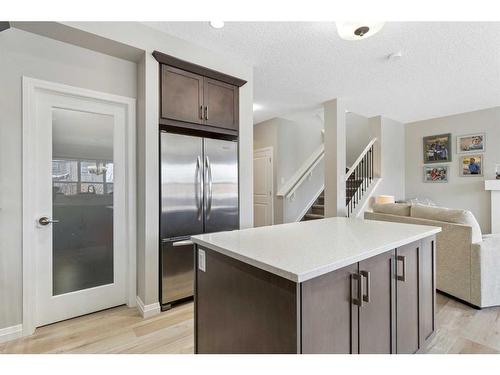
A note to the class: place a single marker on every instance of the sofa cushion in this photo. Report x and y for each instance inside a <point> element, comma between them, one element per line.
<point>399,209</point>
<point>448,215</point>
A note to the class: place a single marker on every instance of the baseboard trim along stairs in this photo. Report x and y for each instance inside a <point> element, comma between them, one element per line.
<point>11,333</point>
<point>147,311</point>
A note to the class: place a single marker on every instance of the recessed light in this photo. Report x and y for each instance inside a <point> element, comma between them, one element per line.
<point>217,24</point>
<point>256,107</point>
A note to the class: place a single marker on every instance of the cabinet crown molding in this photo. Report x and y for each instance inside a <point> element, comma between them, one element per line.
<point>197,69</point>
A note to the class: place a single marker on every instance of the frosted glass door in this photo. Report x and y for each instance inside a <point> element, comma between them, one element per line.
<point>82,200</point>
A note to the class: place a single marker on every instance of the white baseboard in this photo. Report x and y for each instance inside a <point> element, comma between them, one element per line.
<point>11,333</point>
<point>147,311</point>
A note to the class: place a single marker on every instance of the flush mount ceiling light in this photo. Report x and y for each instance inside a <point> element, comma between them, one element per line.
<point>358,30</point>
<point>217,24</point>
<point>256,107</point>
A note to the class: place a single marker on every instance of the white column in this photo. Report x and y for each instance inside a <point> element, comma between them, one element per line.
<point>494,187</point>
<point>335,158</point>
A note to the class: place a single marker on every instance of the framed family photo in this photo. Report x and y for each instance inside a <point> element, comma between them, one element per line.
<point>472,165</point>
<point>437,149</point>
<point>471,143</point>
<point>437,173</point>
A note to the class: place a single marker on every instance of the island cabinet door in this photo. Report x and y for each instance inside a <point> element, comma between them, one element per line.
<point>329,318</point>
<point>377,305</point>
<point>427,288</point>
<point>407,319</point>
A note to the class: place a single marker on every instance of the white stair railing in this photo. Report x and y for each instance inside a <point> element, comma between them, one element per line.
<point>359,178</point>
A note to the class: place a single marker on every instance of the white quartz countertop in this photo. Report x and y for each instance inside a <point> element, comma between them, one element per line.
<point>304,250</point>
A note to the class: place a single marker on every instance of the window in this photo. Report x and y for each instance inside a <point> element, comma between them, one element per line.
<point>72,177</point>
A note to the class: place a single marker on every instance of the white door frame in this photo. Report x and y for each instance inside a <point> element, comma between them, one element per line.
<point>270,152</point>
<point>30,88</point>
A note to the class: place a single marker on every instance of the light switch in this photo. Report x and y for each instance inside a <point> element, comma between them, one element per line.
<point>201,260</point>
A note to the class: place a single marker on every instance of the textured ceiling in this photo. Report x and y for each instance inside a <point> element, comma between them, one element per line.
<point>445,68</point>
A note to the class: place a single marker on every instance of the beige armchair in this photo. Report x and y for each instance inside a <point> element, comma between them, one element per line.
<point>467,263</point>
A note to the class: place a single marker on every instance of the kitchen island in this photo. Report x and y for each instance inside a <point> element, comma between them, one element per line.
<point>335,285</point>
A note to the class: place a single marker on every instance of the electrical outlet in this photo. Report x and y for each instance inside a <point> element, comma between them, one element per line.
<point>201,260</point>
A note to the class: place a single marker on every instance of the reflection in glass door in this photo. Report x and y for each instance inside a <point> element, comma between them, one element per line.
<point>82,200</point>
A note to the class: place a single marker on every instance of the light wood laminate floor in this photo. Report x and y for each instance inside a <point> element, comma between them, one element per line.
<point>464,330</point>
<point>117,330</point>
<point>461,329</point>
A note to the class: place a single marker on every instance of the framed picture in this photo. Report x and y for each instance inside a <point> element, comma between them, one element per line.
<point>436,173</point>
<point>471,143</point>
<point>472,165</point>
<point>437,149</point>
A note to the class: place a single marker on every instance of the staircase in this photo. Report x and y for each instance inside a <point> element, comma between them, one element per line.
<point>317,210</point>
<point>359,187</point>
<point>303,195</point>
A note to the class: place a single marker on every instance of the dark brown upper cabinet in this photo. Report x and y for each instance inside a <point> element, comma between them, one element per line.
<point>221,104</point>
<point>181,95</point>
<point>197,98</point>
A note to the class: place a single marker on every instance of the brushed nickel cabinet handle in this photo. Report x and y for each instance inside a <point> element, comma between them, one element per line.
<point>206,112</point>
<point>366,275</point>
<point>401,258</point>
<point>201,112</point>
<point>358,301</point>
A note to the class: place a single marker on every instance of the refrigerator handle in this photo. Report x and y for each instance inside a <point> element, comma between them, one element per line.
<point>209,188</point>
<point>199,176</point>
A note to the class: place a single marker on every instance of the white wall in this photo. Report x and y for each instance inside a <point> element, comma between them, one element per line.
<point>459,192</point>
<point>294,137</point>
<point>27,54</point>
<point>358,135</point>
<point>390,151</point>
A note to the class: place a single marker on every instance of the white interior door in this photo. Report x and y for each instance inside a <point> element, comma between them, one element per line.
<point>263,187</point>
<point>80,201</point>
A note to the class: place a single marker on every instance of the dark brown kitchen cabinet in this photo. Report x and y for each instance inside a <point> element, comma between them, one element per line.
<point>329,318</point>
<point>376,304</point>
<point>384,304</point>
<point>427,288</point>
<point>350,310</point>
<point>221,104</point>
<point>407,319</point>
<point>196,98</point>
<point>181,95</point>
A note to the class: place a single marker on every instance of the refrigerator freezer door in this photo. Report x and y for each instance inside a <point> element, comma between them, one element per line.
<point>181,185</point>
<point>177,276</point>
<point>221,185</point>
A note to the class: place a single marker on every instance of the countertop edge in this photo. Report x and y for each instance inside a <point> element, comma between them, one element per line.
<point>299,278</point>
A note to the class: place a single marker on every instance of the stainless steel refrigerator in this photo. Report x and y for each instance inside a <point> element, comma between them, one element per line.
<point>199,194</point>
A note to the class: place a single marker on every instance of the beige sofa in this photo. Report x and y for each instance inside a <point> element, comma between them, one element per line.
<point>467,263</point>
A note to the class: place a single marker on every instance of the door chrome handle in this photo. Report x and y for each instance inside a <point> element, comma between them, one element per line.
<point>366,275</point>
<point>359,300</point>
<point>182,243</point>
<point>46,221</point>
<point>403,260</point>
<point>200,191</point>
<point>201,112</point>
<point>206,112</point>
